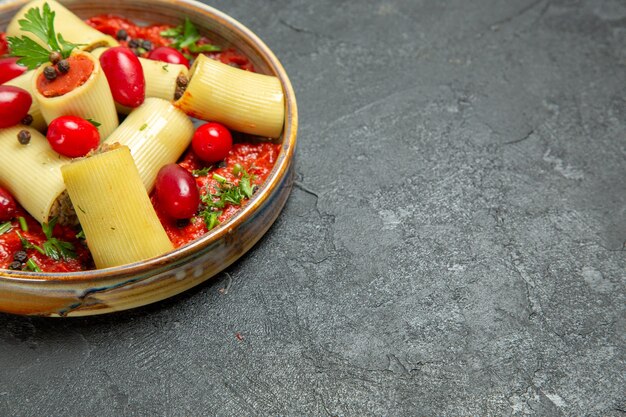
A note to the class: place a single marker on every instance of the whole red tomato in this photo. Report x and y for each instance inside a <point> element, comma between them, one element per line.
<point>14,105</point>
<point>167,54</point>
<point>212,142</point>
<point>72,136</point>
<point>9,69</point>
<point>7,205</point>
<point>177,192</point>
<point>4,45</point>
<point>125,76</point>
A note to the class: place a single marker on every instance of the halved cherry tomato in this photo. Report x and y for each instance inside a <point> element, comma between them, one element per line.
<point>177,192</point>
<point>125,75</point>
<point>72,136</point>
<point>14,105</point>
<point>212,142</point>
<point>9,69</point>
<point>170,55</point>
<point>4,45</point>
<point>8,206</point>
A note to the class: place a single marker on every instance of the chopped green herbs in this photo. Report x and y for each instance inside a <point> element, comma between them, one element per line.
<point>31,265</point>
<point>165,68</point>
<point>187,36</point>
<point>93,122</point>
<point>143,127</point>
<point>23,224</point>
<point>53,248</point>
<point>226,193</point>
<point>201,172</point>
<point>5,227</point>
<point>41,24</point>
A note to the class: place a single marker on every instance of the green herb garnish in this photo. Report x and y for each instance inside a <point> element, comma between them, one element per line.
<point>53,248</point>
<point>143,127</point>
<point>226,193</point>
<point>41,24</point>
<point>201,172</point>
<point>23,224</point>
<point>93,122</point>
<point>5,227</point>
<point>187,36</point>
<point>31,265</point>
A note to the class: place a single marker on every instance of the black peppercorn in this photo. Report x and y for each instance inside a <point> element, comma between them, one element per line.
<point>23,137</point>
<point>121,35</point>
<point>55,57</point>
<point>20,256</point>
<point>15,265</point>
<point>147,45</point>
<point>27,120</point>
<point>63,66</point>
<point>49,72</point>
<point>134,43</point>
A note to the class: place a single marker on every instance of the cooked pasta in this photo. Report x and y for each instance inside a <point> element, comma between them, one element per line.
<point>32,173</point>
<point>114,209</point>
<point>66,23</point>
<point>92,100</point>
<point>157,134</point>
<point>244,101</point>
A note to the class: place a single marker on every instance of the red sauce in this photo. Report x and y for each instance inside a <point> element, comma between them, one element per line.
<point>81,68</point>
<point>257,159</point>
<point>111,24</point>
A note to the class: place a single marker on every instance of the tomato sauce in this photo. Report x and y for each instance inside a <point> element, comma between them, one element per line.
<point>81,68</point>
<point>257,158</point>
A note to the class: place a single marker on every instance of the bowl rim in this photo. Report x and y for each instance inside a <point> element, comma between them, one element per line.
<point>195,247</point>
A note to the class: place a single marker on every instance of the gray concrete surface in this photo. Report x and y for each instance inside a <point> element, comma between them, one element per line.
<point>455,244</point>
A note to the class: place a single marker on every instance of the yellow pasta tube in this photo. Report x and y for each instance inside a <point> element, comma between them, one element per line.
<point>25,81</point>
<point>66,23</point>
<point>92,100</point>
<point>114,209</point>
<point>157,134</point>
<point>242,100</point>
<point>161,78</point>
<point>32,173</point>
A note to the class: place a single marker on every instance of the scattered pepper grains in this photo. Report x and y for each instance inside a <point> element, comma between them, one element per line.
<point>23,137</point>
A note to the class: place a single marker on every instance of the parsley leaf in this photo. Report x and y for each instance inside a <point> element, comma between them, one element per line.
<point>41,24</point>
<point>93,122</point>
<point>187,36</point>
<point>56,248</point>
<point>201,172</point>
<point>5,227</point>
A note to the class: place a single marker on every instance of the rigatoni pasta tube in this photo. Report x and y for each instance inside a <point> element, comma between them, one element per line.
<point>114,209</point>
<point>70,26</point>
<point>91,100</point>
<point>32,174</point>
<point>24,81</point>
<point>157,134</point>
<point>244,101</point>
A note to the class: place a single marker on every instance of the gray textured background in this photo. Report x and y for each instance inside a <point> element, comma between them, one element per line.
<point>454,245</point>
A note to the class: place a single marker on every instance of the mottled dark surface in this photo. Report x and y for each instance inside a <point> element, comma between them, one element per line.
<point>454,245</point>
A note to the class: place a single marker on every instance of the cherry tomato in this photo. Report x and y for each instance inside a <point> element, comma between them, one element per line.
<point>9,69</point>
<point>14,105</point>
<point>177,191</point>
<point>167,54</point>
<point>72,136</point>
<point>212,142</point>
<point>4,45</point>
<point>125,75</point>
<point>8,206</point>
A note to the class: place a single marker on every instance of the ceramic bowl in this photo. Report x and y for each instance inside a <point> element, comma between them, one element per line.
<point>129,286</point>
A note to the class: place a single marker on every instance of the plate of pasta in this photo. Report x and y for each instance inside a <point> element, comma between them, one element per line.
<point>144,147</point>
